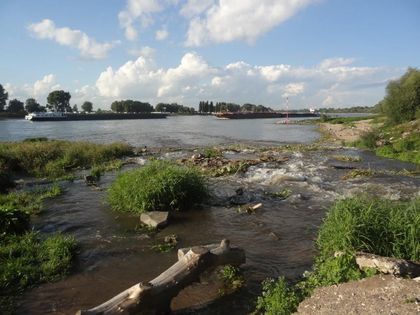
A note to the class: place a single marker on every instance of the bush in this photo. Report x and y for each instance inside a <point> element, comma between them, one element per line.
<point>157,186</point>
<point>402,100</point>
<point>278,298</point>
<point>5,181</point>
<point>13,221</point>
<point>369,139</point>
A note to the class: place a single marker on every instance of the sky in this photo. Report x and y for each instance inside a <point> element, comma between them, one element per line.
<point>316,53</point>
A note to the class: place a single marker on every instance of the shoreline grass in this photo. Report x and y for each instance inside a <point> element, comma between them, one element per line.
<point>56,158</point>
<point>379,226</point>
<point>159,185</point>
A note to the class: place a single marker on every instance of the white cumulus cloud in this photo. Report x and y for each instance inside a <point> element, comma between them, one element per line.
<point>193,79</point>
<point>138,12</point>
<point>88,47</point>
<point>230,20</point>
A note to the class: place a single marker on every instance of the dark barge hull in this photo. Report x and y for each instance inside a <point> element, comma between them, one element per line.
<point>106,116</point>
<point>264,115</point>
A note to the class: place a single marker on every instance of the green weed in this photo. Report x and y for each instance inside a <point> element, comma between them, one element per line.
<point>157,186</point>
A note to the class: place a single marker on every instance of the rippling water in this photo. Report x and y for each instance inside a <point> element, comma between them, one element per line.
<point>278,238</point>
<point>175,131</point>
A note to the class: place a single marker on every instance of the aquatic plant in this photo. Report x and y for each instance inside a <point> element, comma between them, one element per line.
<point>54,158</point>
<point>232,278</point>
<point>159,185</point>
<point>347,158</point>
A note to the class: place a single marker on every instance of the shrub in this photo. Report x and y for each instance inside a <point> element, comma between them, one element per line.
<point>158,185</point>
<point>369,139</point>
<point>5,181</point>
<point>278,298</point>
<point>13,221</point>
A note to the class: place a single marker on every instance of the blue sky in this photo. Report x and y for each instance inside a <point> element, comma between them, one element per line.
<point>316,52</point>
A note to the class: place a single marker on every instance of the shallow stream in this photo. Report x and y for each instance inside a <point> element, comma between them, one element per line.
<point>278,238</point>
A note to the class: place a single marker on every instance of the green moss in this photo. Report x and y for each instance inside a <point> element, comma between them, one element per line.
<point>157,186</point>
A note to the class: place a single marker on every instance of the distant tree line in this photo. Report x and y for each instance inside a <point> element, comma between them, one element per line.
<point>130,106</point>
<point>174,108</point>
<point>209,107</point>
<point>353,109</point>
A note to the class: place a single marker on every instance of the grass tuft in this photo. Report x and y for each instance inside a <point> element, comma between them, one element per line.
<point>159,185</point>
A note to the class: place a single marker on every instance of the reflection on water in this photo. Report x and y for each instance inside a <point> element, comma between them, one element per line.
<point>176,131</point>
<point>278,238</point>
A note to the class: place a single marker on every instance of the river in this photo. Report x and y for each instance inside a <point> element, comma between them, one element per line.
<point>278,239</point>
<point>174,131</point>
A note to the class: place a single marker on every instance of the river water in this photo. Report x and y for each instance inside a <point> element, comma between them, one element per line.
<point>174,131</point>
<point>278,238</point>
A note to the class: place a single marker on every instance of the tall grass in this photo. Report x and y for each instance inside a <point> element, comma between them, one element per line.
<point>379,226</point>
<point>55,158</point>
<point>157,186</point>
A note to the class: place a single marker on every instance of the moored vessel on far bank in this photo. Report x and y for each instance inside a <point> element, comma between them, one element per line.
<point>61,116</point>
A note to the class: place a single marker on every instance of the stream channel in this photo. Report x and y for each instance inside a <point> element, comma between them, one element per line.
<point>278,238</point>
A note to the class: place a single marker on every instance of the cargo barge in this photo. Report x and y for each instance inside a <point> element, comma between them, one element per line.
<point>60,116</point>
<point>253,115</point>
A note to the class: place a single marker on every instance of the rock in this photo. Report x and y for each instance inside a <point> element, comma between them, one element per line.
<point>91,180</point>
<point>156,219</point>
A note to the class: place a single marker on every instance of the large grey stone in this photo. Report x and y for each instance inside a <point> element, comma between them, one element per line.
<point>156,219</point>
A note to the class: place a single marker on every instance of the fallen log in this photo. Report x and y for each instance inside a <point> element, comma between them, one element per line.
<point>155,296</point>
<point>394,266</point>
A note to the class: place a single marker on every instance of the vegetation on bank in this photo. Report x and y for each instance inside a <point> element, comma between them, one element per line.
<point>159,185</point>
<point>56,158</point>
<point>377,226</point>
<point>28,258</point>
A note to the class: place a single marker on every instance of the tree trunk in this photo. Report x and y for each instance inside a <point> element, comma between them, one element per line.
<point>155,297</point>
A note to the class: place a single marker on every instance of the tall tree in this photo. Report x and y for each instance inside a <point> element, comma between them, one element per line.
<point>402,99</point>
<point>59,101</point>
<point>3,97</point>
<point>87,106</point>
<point>31,105</point>
<point>15,106</point>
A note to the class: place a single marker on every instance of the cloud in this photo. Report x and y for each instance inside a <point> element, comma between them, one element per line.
<point>38,90</point>
<point>193,79</point>
<point>138,11</point>
<point>161,34</point>
<point>146,52</point>
<point>230,20</point>
<point>65,36</point>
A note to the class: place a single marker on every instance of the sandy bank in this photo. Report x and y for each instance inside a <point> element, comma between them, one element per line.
<point>347,133</point>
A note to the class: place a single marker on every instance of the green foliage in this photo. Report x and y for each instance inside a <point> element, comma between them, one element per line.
<point>232,278</point>
<point>27,260</point>
<point>158,185</point>
<point>15,106</point>
<point>278,298</point>
<point>342,120</point>
<point>56,158</point>
<point>369,139</point>
<point>3,97</point>
<point>377,226</point>
<point>5,181</point>
<point>347,158</point>
<point>212,153</point>
<point>174,108</point>
<point>402,99</point>
<point>282,194</point>
<point>87,106</point>
<point>404,149</point>
<point>59,101</point>
<point>13,221</point>
<point>358,173</point>
<point>130,106</point>
<point>31,105</point>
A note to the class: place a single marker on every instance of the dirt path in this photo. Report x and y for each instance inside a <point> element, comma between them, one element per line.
<point>381,294</point>
<point>347,133</point>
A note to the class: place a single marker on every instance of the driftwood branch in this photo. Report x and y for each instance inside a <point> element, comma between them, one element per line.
<point>397,267</point>
<point>156,295</point>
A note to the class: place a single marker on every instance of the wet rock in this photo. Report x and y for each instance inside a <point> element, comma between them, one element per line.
<point>156,219</point>
<point>240,197</point>
<point>91,180</point>
<point>343,167</point>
